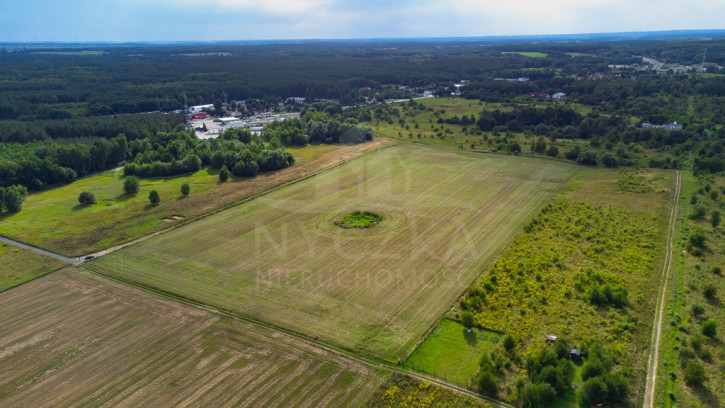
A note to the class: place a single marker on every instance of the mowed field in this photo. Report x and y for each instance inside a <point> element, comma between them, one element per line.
<point>281,259</point>
<point>74,339</point>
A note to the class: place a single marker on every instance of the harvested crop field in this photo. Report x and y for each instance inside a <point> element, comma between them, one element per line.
<point>281,259</point>
<point>74,339</point>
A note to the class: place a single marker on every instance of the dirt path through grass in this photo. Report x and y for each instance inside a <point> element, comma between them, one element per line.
<point>41,251</point>
<point>657,329</point>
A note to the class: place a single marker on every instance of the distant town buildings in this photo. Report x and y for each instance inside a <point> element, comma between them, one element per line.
<point>668,127</point>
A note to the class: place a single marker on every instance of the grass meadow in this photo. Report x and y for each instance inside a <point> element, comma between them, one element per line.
<point>281,259</point>
<point>54,220</point>
<point>451,353</point>
<point>74,339</point>
<point>18,265</point>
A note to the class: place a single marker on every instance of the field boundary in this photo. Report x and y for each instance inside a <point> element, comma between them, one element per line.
<point>370,361</point>
<point>496,258</point>
<point>659,311</point>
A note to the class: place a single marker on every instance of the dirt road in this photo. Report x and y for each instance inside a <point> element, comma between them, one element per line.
<point>649,393</point>
<point>41,251</point>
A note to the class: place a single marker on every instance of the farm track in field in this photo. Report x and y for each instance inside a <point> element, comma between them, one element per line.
<point>652,365</point>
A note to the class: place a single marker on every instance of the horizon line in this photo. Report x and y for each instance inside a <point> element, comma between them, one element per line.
<point>634,34</point>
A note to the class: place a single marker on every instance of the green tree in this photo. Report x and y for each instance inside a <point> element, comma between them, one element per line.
<point>536,395</point>
<point>695,374</point>
<point>715,219</point>
<point>224,173</point>
<point>154,197</point>
<point>709,328</point>
<point>130,185</point>
<point>467,319</point>
<point>86,198</point>
<point>509,343</point>
<point>697,239</point>
<point>13,197</point>
<point>185,189</point>
<point>488,383</point>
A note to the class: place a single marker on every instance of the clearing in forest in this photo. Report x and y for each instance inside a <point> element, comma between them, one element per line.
<point>74,339</point>
<point>281,258</point>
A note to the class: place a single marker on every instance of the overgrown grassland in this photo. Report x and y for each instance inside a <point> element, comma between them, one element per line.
<point>54,220</point>
<point>585,268</point>
<point>18,265</point>
<point>402,391</point>
<point>74,339</point>
<point>281,259</point>
<point>695,271</point>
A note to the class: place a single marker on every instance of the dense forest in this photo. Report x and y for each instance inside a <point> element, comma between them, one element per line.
<point>64,114</point>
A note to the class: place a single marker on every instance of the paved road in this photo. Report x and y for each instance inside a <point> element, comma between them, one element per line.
<point>42,252</point>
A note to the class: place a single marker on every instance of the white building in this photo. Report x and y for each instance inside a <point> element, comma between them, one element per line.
<point>199,108</point>
<point>559,96</point>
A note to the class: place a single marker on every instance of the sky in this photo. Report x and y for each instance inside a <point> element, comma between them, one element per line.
<point>219,20</point>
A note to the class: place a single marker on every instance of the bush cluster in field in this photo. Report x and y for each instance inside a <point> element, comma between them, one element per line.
<point>359,219</point>
<point>577,270</point>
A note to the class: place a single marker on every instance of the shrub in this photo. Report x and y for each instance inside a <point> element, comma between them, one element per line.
<point>716,270</point>
<point>609,160</point>
<point>715,219</point>
<point>697,239</point>
<point>224,173</point>
<point>587,159</point>
<point>709,291</point>
<point>509,343</point>
<point>154,197</point>
<point>130,185</point>
<point>467,319</point>
<point>709,328</point>
<point>694,373</point>
<point>698,310</point>
<point>537,395</point>
<point>487,383</point>
<point>592,368</point>
<point>185,189</point>
<point>86,198</point>
<point>11,198</point>
<point>698,213</point>
<point>553,151</point>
